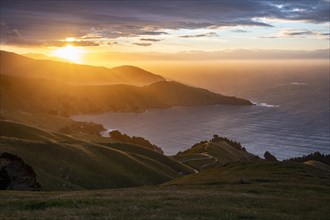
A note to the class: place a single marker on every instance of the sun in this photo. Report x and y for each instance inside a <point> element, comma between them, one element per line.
<point>70,53</point>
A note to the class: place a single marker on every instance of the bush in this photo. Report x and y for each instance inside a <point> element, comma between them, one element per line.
<point>83,127</point>
<point>269,157</point>
<point>232,143</point>
<point>134,140</point>
<point>313,156</point>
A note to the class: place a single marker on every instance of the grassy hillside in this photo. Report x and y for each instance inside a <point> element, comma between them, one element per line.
<point>40,56</point>
<point>209,154</point>
<point>262,190</point>
<point>174,93</point>
<point>136,76</point>
<point>21,66</point>
<point>318,164</point>
<point>44,121</point>
<point>65,163</point>
<point>45,96</point>
<point>256,172</point>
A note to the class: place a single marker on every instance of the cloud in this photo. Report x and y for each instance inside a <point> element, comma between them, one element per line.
<point>13,37</point>
<point>150,39</point>
<point>51,20</point>
<point>143,44</point>
<point>112,43</point>
<point>239,31</point>
<point>210,34</point>
<point>91,36</point>
<point>299,33</point>
<point>151,33</point>
<point>84,43</point>
<point>7,34</point>
<point>220,25</point>
<point>241,54</point>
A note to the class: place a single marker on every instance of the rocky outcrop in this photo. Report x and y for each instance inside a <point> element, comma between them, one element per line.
<point>15,174</point>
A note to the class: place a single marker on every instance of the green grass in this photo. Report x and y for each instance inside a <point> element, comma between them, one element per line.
<point>270,190</point>
<point>238,190</point>
<point>64,163</point>
<point>214,153</point>
<point>275,191</point>
<point>258,172</point>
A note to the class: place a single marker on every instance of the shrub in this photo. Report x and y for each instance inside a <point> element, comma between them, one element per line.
<point>313,156</point>
<point>269,157</point>
<point>232,143</point>
<point>134,140</point>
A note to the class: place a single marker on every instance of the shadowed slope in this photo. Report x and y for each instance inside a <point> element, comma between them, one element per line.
<point>39,95</point>
<point>212,154</point>
<point>318,165</point>
<point>64,163</point>
<point>271,173</point>
<point>174,94</point>
<point>270,191</point>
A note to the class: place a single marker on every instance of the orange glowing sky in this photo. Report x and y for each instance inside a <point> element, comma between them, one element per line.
<point>104,32</point>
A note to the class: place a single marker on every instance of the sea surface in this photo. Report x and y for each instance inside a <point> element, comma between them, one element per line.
<point>290,116</point>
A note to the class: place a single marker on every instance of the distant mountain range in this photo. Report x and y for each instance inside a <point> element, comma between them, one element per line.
<point>40,56</point>
<point>47,86</point>
<point>22,66</point>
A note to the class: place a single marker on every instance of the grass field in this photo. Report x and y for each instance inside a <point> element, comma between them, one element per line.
<point>273,191</point>
<point>62,162</point>
<point>235,185</point>
<point>212,154</point>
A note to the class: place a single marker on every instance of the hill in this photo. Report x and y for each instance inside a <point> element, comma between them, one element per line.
<point>21,66</point>
<point>313,156</point>
<point>256,172</point>
<point>62,162</point>
<point>214,153</point>
<point>40,56</point>
<point>43,86</point>
<point>318,164</point>
<point>136,76</point>
<point>46,96</point>
<point>174,94</point>
<point>253,190</point>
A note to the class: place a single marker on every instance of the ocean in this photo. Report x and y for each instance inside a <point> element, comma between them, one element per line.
<point>290,117</point>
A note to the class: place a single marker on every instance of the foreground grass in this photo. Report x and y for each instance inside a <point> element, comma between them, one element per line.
<point>162,203</point>
<point>290,192</point>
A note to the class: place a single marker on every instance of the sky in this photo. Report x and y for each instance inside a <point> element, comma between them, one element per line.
<point>101,32</point>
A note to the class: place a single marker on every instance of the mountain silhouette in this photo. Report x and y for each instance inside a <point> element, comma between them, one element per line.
<point>21,66</point>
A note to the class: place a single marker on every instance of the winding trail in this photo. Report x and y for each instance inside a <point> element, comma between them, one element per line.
<point>206,157</point>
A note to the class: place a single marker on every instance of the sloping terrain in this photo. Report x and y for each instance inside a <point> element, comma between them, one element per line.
<point>64,163</point>
<point>21,66</point>
<point>258,172</point>
<point>209,154</point>
<point>318,164</point>
<point>40,56</point>
<point>136,76</point>
<point>257,190</point>
<point>45,96</point>
<point>174,93</point>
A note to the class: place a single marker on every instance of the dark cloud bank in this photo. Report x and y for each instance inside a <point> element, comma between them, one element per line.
<point>43,21</point>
